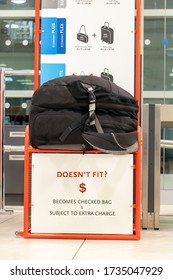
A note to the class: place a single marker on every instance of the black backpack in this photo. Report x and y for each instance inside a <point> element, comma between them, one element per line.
<point>84,110</point>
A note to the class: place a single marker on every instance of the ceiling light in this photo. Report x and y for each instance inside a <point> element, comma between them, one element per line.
<point>18,1</point>
<point>13,25</point>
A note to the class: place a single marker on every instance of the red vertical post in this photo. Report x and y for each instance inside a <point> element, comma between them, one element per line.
<point>37,45</point>
<point>26,182</point>
<point>138,97</point>
<point>138,58</point>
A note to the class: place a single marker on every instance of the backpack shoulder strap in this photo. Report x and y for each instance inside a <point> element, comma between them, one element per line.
<point>92,120</point>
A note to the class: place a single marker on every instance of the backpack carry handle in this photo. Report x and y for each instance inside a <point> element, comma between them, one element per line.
<point>106,70</point>
<point>106,24</point>
<point>83,26</point>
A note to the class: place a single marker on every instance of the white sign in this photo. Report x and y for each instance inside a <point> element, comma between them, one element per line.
<point>76,193</point>
<point>84,37</point>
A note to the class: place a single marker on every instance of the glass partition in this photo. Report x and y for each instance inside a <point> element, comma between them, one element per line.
<point>154,4</point>
<point>153,71</point>
<point>158,54</point>
<point>17,50</point>
<point>158,72</point>
<point>17,4</point>
<point>169,4</point>
<point>16,35</point>
<point>158,4</point>
<point>17,110</point>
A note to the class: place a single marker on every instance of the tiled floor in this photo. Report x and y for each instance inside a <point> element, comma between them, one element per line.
<point>154,244</point>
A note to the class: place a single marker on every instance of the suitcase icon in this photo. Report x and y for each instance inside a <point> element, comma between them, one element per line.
<point>107,33</point>
<point>105,75</point>
<point>83,37</point>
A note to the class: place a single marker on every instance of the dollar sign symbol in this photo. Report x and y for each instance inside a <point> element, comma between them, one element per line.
<point>82,188</point>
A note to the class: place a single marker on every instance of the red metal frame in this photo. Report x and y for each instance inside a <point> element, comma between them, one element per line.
<point>137,156</point>
<point>137,159</point>
<point>37,45</point>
